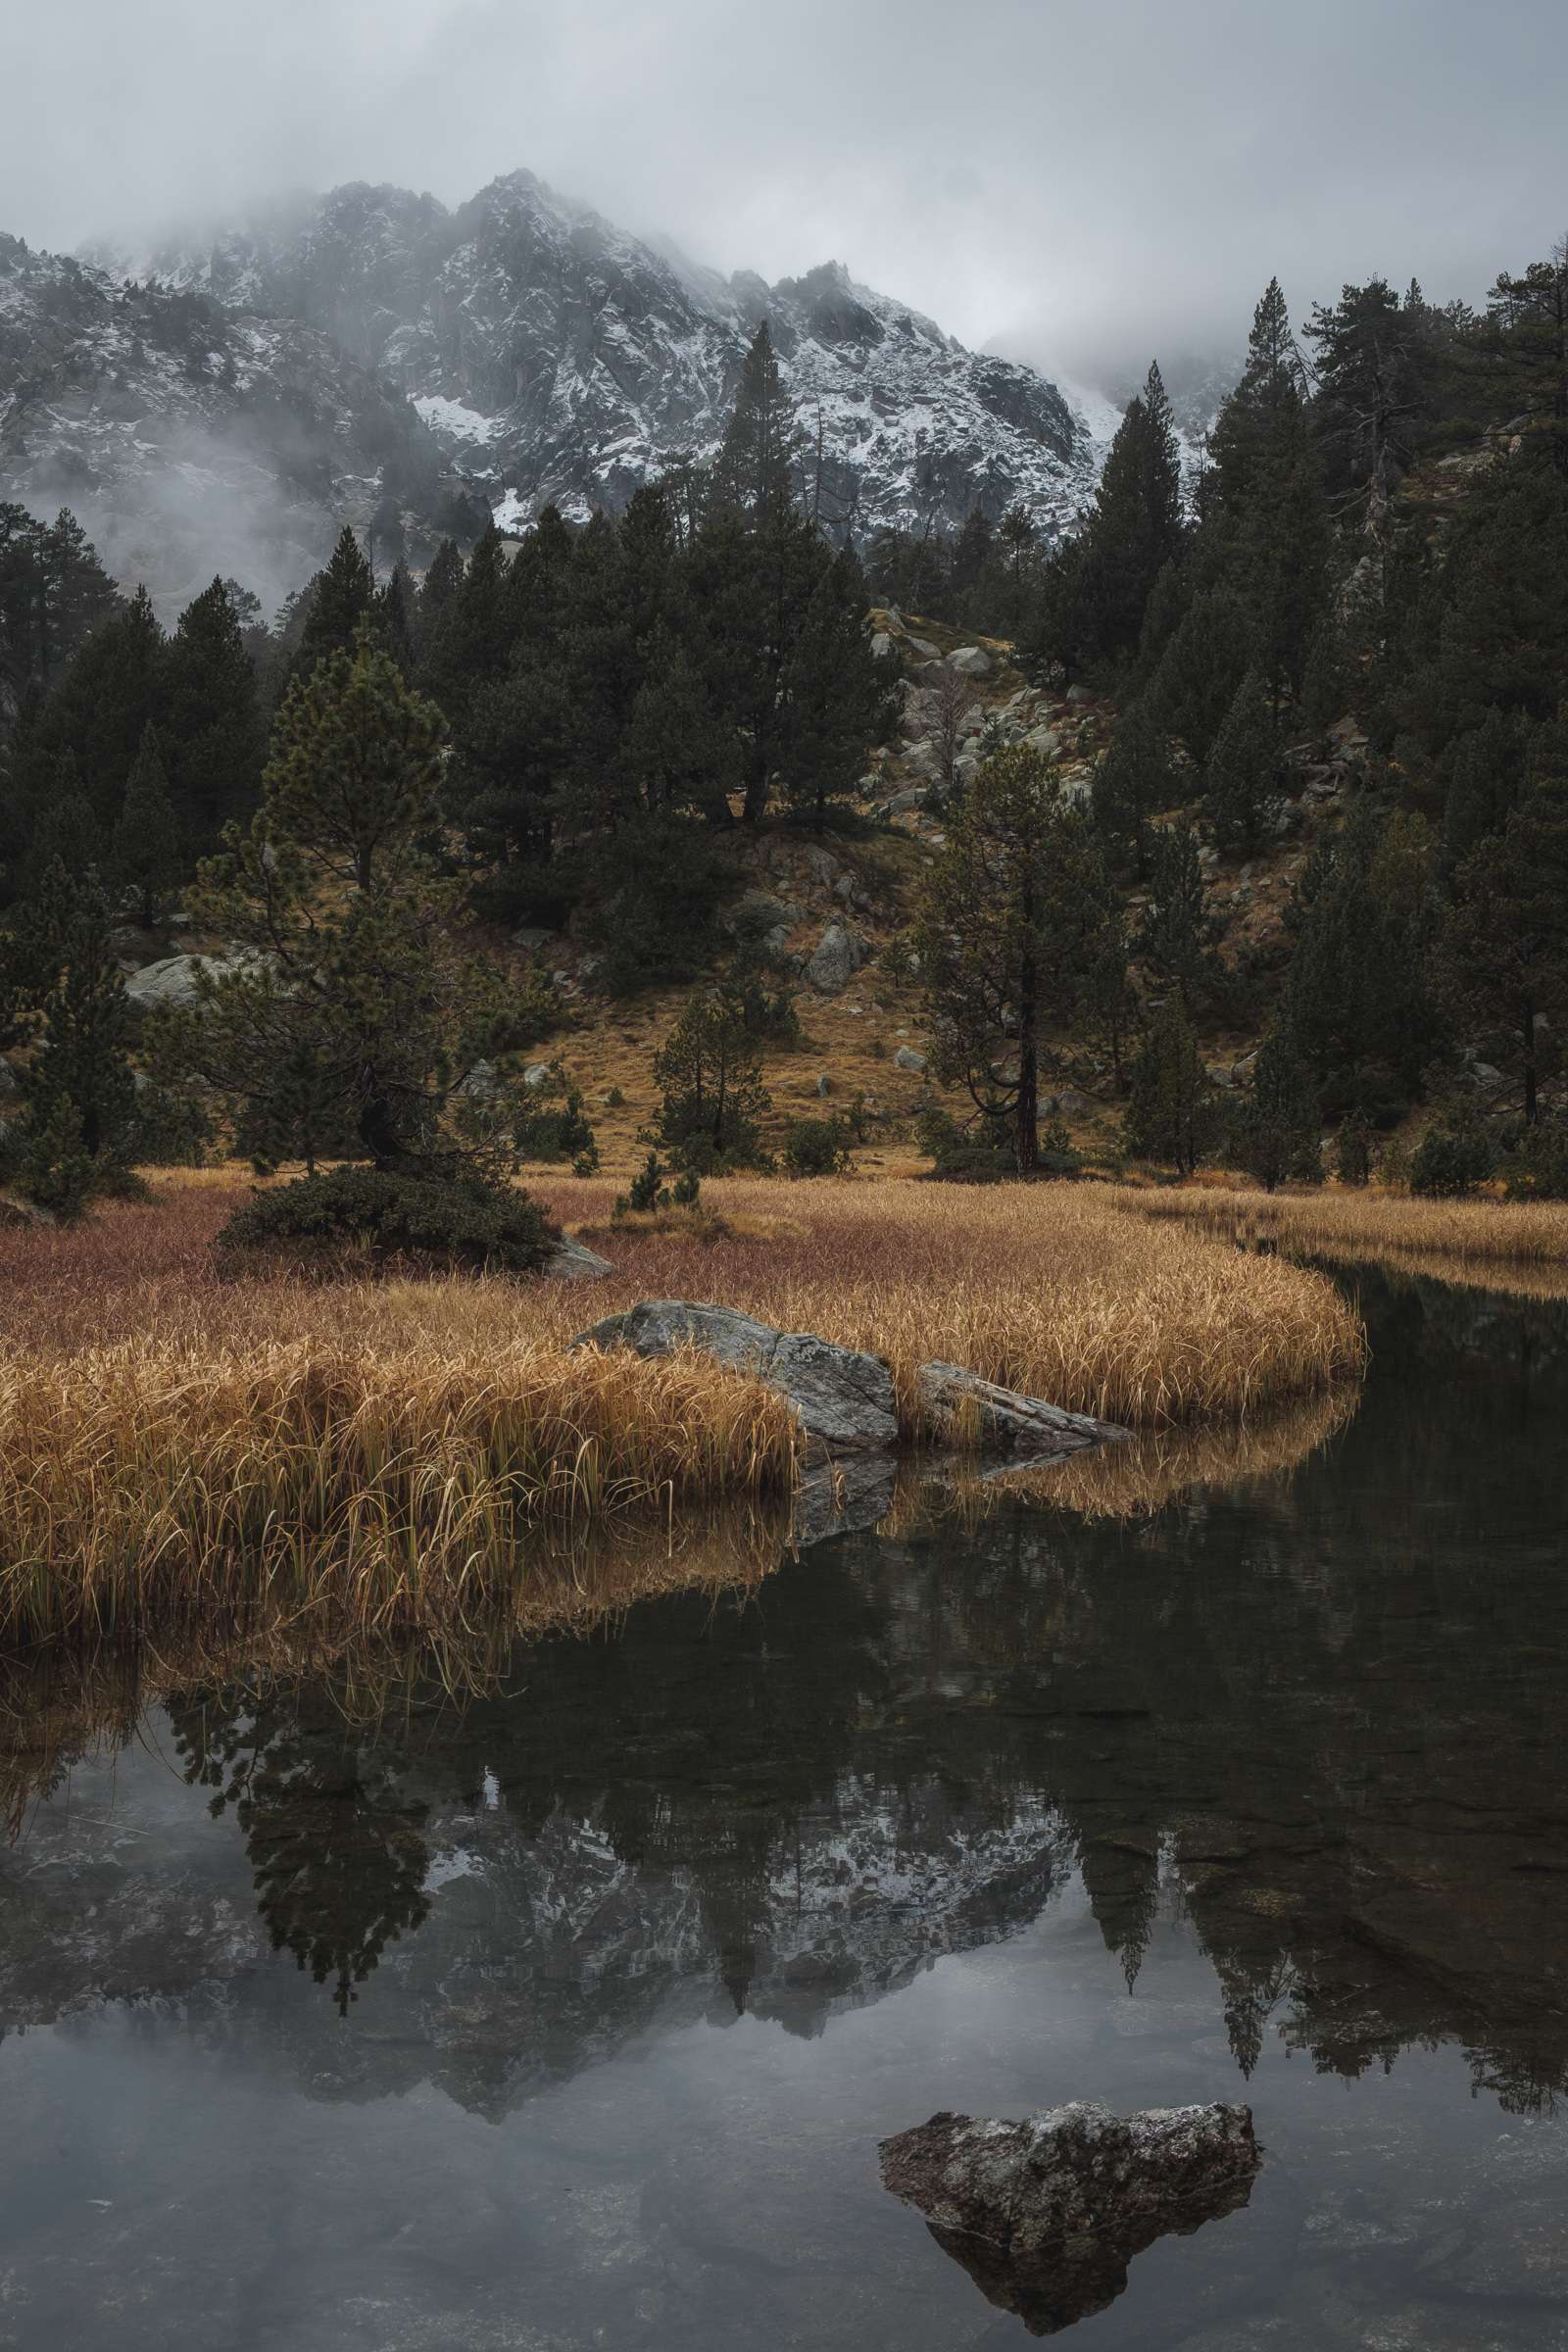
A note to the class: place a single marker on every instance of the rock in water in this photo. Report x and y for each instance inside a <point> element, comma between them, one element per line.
<point>842,1398</point>
<point>964,1409</point>
<point>1045,2214</point>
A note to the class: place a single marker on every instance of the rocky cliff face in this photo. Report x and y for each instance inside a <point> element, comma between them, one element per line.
<point>551,355</point>
<point>193,436</point>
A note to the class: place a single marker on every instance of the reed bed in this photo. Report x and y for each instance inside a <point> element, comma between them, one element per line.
<point>1512,1245</point>
<point>153,1479</point>
<point>384,1453</point>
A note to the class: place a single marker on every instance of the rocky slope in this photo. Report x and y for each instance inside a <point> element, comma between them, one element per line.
<point>552,356</point>
<point>193,437</point>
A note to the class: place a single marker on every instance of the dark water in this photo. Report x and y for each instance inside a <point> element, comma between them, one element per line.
<point>572,2017</point>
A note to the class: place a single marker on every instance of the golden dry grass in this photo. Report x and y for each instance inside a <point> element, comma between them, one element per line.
<point>173,1446</point>
<point>1503,1245</point>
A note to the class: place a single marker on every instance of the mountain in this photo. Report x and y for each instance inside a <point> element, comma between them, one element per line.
<point>551,355</point>
<point>192,437</point>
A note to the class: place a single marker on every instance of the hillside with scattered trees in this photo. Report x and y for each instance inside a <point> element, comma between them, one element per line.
<point>1233,826</point>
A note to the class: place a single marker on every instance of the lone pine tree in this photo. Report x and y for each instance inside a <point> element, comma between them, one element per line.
<point>1012,937</point>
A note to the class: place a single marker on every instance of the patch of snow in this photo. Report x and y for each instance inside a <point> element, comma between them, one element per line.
<point>454,419</point>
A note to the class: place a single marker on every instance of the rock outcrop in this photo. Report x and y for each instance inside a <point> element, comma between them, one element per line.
<point>171,981</point>
<point>1045,2214</point>
<point>962,1409</point>
<point>835,960</point>
<point>843,1400</point>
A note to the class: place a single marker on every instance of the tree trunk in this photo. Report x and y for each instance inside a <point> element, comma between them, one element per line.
<point>1530,1063</point>
<point>1027,1108</point>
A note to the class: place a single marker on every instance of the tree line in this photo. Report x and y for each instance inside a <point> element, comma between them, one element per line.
<point>571,727</point>
<point>1373,564</point>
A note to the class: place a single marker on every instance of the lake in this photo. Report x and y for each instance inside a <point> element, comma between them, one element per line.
<point>568,2012</point>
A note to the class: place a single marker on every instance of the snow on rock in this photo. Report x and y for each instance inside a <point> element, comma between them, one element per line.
<point>555,357</point>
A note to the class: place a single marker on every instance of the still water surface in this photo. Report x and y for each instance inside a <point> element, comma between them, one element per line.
<point>571,2016</point>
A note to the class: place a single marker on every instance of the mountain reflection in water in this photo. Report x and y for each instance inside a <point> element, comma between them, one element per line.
<point>1290,1749</point>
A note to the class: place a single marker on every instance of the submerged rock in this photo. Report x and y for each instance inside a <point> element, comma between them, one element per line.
<point>964,1409</point>
<point>842,1398</point>
<point>1045,2214</point>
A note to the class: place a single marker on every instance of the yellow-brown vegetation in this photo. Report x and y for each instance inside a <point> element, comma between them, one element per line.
<point>1498,1245</point>
<point>173,1445</point>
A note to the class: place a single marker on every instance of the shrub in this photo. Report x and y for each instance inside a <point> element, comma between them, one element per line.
<point>335,1222</point>
<point>1353,1151</point>
<point>1538,1167</point>
<point>648,1190</point>
<point>554,1125</point>
<point>965,1155</point>
<point>816,1147</point>
<point>1451,1159</point>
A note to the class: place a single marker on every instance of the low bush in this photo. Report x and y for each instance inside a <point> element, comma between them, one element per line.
<point>1450,1161</point>
<point>816,1147</point>
<point>339,1221</point>
<point>1537,1169</point>
<point>650,1192</point>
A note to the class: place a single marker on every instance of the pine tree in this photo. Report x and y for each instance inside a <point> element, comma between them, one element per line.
<point>1380,363</point>
<point>748,586</point>
<point>755,469</point>
<point>353,995</point>
<point>145,857</point>
<point>1134,780</point>
<point>1264,529</point>
<point>440,584</point>
<point>676,754</point>
<point>1096,608</point>
<point>1171,1115</point>
<point>1506,953</point>
<point>1175,937</point>
<point>97,711</point>
<point>1012,936</point>
<point>341,597</point>
<point>839,693</point>
<point>1325,684</point>
<point>710,1075</point>
<point>77,594</point>
<point>1357,998</point>
<point>1238,787</point>
<point>1485,771</point>
<point>79,1090</point>
<point>1527,317</point>
<point>211,724</point>
<point>395,608</point>
<point>970,558</point>
<point>1202,666</point>
<point>1274,1134</point>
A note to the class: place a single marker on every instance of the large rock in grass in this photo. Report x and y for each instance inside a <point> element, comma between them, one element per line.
<point>835,960</point>
<point>843,1400</point>
<point>1045,2214</point>
<point>962,1410</point>
<point>575,1261</point>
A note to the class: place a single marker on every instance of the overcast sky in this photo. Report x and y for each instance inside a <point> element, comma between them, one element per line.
<point>1074,182</point>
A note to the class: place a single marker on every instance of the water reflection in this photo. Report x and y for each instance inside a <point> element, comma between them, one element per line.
<point>1306,1727</point>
